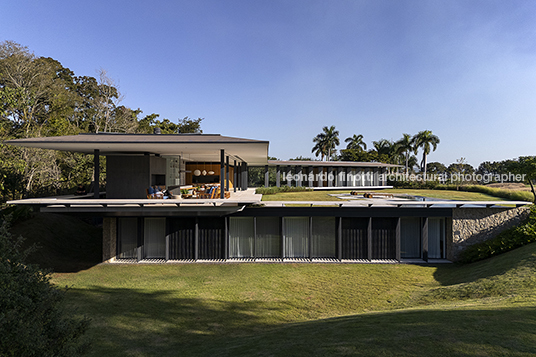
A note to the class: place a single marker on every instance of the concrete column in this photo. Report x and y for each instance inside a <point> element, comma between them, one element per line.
<point>369,239</point>
<point>346,177</point>
<point>109,239</point>
<point>278,176</point>
<point>425,239</point>
<point>299,173</point>
<point>96,168</point>
<point>227,173</point>
<point>398,233</point>
<point>246,173</point>
<point>235,181</point>
<point>289,175</point>
<point>244,185</point>
<point>196,239</point>
<point>266,176</point>
<point>339,238</point>
<point>311,177</point>
<point>222,173</point>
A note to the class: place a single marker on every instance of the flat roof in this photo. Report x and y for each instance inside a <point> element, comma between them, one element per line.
<point>149,204</point>
<point>192,147</point>
<point>329,163</point>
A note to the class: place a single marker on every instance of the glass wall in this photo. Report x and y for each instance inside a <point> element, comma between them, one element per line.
<point>384,238</point>
<point>268,240</point>
<point>241,237</point>
<point>296,237</point>
<point>354,238</point>
<point>410,237</point>
<point>324,234</point>
<point>127,238</point>
<point>436,238</point>
<point>154,238</point>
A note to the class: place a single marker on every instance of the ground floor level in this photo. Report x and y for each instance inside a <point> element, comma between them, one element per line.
<point>270,236</point>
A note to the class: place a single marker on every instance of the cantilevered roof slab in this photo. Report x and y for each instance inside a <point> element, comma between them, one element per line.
<point>331,164</point>
<point>194,147</point>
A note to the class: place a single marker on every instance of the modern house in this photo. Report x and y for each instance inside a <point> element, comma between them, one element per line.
<point>241,227</point>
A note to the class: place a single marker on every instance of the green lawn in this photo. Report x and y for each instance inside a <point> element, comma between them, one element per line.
<point>325,195</point>
<point>481,309</point>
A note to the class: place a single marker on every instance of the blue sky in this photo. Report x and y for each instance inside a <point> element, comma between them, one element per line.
<point>281,70</point>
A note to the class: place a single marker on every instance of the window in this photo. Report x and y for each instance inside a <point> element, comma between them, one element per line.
<point>268,240</point>
<point>410,237</point>
<point>436,238</point>
<point>154,238</point>
<point>296,237</point>
<point>127,234</point>
<point>241,237</point>
<point>324,237</point>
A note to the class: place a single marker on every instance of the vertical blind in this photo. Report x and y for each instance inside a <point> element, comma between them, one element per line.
<point>436,237</point>
<point>296,237</point>
<point>384,238</point>
<point>154,233</point>
<point>181,238</point>
<point>410,237</point>
<point>211,235</point>
<point>268,242</point>
<point>354,238</point>
<point>127,230</point>
<point>323,237</point>
<point>241,237</point>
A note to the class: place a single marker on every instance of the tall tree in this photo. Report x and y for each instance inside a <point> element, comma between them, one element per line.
<point>405,147</point>
<point>356,143</point>
<point>526,165</point>
<point>326,142</point>
<point>427,141</point>
<point>383,147</point>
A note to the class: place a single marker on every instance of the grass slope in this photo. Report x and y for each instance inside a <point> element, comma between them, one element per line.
<point>484,308</point>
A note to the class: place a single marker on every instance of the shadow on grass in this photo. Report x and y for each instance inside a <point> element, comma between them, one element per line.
<point>129,322</point>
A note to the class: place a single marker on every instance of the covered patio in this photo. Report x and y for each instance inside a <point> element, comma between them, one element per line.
<point>137,161</point>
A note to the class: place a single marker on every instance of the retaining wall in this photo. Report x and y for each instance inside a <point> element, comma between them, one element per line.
<point>475,225</point>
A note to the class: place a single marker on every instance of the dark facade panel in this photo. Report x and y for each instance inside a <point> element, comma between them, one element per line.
<point>181,237</point>
<point>384,238</point>
<point>354,243</point>
<point>211,235</point>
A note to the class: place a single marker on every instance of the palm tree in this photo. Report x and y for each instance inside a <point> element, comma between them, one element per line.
<point>356,143</point>
<point>319,148</point>
<point>426,140</point>
<point>405,147</point>
<point>325,142</point>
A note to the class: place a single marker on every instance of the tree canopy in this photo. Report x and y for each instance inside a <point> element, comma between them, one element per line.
<point>41,97</point>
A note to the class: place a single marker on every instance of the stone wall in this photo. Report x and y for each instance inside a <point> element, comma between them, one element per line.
<point>109,239</point>
<point>475,225</point>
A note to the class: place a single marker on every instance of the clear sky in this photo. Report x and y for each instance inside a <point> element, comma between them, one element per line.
<point>280,70</point>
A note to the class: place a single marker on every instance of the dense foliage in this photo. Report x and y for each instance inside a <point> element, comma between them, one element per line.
<point>40,97</point>
<point>32,319</point>
<point>507,240</point>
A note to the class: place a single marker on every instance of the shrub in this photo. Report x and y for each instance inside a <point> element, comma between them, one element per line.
<point>32,319</point>
<point>507,240</point>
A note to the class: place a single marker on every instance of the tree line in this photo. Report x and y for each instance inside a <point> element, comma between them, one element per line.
<point>404,151</point>
<point>40,97</point>
<point>401,152</point>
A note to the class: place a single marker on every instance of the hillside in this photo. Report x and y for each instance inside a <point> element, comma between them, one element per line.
<point>484,308</point>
